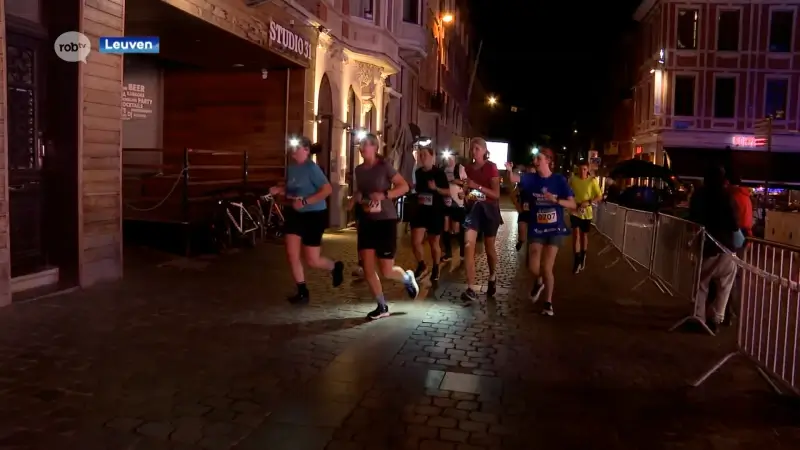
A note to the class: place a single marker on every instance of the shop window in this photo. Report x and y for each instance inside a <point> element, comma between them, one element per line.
<point>728,31</point>
<point>780,31</point>
<point>363,9</point>
<point>684,96</point>
<point>411,11</point>
<point>687,28</point>
<point>725,97</point>
<point>776,97</point>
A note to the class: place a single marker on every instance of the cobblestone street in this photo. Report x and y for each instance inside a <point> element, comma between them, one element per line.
<point>207,354</point>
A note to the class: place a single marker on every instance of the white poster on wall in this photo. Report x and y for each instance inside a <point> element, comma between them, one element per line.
<point>498,153</point>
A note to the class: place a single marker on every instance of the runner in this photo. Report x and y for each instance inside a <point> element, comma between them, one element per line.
<point>454,207</point>
<point>483,180</point>
<point>431,187</point>
<point>587,191</point>
<point>377,184</point>
<point>307,188</point>
<point>523,212</point>
<point>548,193</point>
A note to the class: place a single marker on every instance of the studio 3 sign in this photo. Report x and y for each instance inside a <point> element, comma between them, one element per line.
<point>288,41</point>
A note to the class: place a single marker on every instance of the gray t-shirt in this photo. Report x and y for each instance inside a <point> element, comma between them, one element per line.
<point>377,178</point>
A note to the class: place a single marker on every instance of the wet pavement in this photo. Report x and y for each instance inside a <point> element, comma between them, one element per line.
<point>206,354</point>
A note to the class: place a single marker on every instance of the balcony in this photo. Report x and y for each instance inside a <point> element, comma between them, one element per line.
<point>430,101</point>
<point>414,39</point>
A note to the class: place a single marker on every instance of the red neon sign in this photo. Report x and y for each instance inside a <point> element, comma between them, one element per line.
<point>639,150</point>
<point>747,141</point>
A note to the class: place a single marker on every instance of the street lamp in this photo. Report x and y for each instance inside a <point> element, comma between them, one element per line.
<point>575,131</point>
<point>447,18</point>
<point>492,100</point>
<point>443,20</point>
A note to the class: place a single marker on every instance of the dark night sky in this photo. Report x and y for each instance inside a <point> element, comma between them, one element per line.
<point>555,61</point>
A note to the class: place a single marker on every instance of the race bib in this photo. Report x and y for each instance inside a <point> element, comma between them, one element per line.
<point>546,217</point>
<point>448,201</point>
<point>372,207</point>
<point>526,206</point>
<point>425,199</point>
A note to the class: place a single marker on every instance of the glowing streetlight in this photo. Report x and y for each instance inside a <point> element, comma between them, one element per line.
<point>492,100</point>
<point>447,18</point>
<point>575,131</point>
<point>564,147</point>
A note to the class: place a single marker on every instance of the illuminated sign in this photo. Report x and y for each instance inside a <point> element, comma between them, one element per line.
<point>289,41</point>
<point>639,150</point>
<point>747,141</point>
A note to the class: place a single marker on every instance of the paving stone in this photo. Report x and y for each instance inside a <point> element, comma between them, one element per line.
<point>468,405</point>
<point>442,422</point>
<point>453,435</point>
<point>124,423</point>
<point>482,417</point>
<point>472,427</point>
<point>436,445</point>
<point>423,431</point>
<point>159,430</point>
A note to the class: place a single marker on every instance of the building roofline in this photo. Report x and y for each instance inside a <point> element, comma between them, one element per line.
<point>643,9</point>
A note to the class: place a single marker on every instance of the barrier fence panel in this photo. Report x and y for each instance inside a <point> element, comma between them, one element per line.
<point>769,313</point>
<point>637,243</point>
<point>612,226</point>
<point>677,255</point>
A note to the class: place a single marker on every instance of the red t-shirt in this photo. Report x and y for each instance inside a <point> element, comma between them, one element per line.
<point>483,175</point>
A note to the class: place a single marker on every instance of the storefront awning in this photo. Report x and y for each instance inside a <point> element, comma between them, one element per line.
<point>751,166</point>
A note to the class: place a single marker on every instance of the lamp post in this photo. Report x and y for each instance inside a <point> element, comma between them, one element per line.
<point>443,20</point>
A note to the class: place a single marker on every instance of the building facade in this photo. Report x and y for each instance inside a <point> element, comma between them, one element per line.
<point>89,146</point>
<point>708,72</point>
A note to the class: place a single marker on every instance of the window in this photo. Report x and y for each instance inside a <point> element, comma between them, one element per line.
<point>411,11</point>
<point>776,97</point>
<point>684,96</point>
<point>780,31</point>
<point>687,29</point>
<point>362,8</point>
<point>728,31</point>
<point>725,98</point>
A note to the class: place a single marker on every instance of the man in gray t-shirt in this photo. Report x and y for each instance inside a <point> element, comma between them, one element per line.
<point>369,180</point>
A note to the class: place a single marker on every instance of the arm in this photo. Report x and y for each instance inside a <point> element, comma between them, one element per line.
<point>442,185</point>
<point>566,197</point>
<point>513,176</point>
<point>277,190</point>
<point>399,187</point>
<point>324,187</point>
<point>597,195</point>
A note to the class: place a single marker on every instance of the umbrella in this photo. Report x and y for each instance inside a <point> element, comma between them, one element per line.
<point>636,168</point>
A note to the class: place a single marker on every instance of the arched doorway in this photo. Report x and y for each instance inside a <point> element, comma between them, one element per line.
<point>325,125</point>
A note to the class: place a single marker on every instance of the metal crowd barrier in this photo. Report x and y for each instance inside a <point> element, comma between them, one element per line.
<point>668,248</point>
<point>766,290</point>
<point>769,313</point>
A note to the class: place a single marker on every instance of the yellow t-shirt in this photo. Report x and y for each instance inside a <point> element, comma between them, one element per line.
<point>585,190</point>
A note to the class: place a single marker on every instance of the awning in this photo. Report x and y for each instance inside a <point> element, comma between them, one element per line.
<point>752,166</point>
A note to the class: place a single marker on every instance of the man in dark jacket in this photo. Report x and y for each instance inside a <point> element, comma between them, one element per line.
<point>713,207</point>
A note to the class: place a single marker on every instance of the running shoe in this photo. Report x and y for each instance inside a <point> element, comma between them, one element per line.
<point>358,272</point>
<point>410,282</point>
<point>492,289</point>
<point>446,258</point>
<point>379,313</point>
<point>338,273</point>
<point>420,269</point>
<point>536,291</point>
<point>299,299</point>
<point>469,296</point>
<point>548,309</point>
<point>576,266</point>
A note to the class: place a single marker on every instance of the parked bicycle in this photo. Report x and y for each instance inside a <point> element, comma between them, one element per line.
<point>273,216</point>
<point>237,221</point>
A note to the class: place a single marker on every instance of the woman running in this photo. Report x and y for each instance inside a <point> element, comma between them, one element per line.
<point>587,191</point>
<point>483,180</point>
<point>454,209</point>
<point>549,194</point>
<point>432,188</point>
<point>377,184</point>
<point>306,188</point>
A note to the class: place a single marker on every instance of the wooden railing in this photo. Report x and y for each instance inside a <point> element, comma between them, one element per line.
<point>181,186</point>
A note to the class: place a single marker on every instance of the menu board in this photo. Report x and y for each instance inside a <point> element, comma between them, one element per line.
<point>135,103</point>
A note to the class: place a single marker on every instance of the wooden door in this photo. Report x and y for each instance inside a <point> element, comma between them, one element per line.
<point>25,153</point>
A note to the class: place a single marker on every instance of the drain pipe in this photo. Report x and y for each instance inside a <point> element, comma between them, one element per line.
<point>286,126</point>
